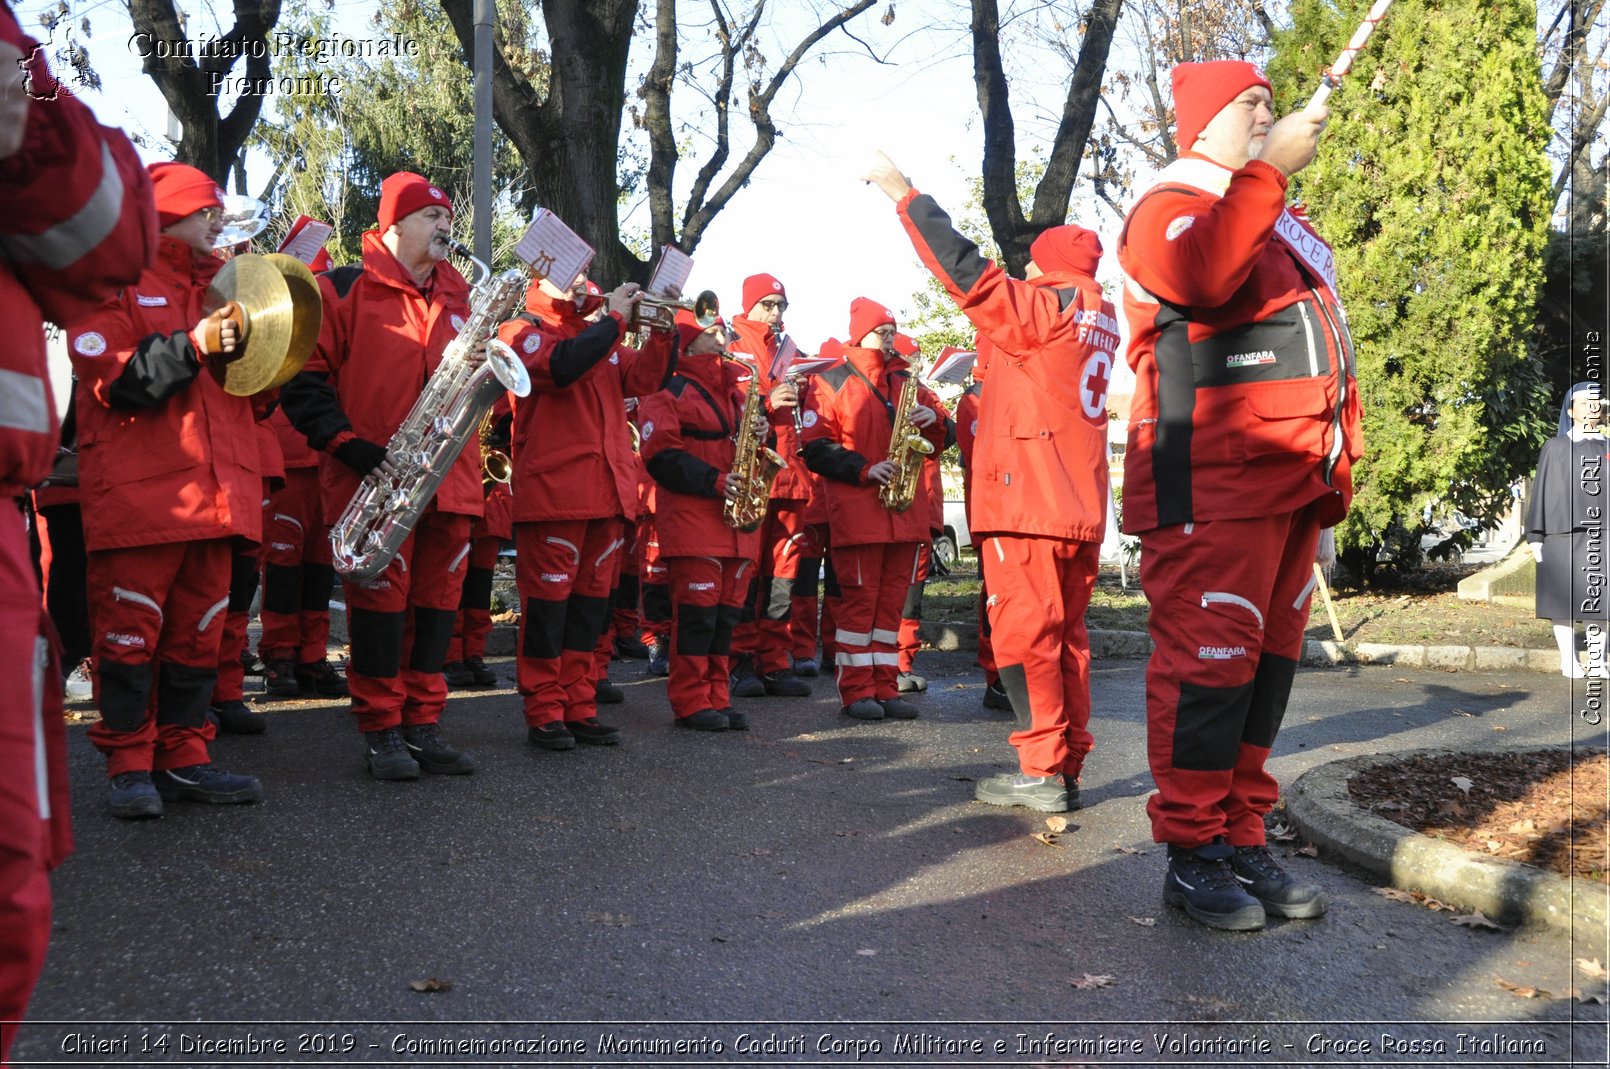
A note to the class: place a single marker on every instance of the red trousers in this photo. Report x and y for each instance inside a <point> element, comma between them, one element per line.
<point>654,574</point>
<point>474,620</point>
<point>706,600</point>
<point>803,631</point>
<point>297,575</point>
<point>244,567</point>
<point>763,631</point>
<point>1229,603</point>
<point>1039,590</point>
<point>614,560</point>
<point>872,581</point>
<point>911,612</point>
<point>563,569</point>
<point>400,623</point>
<point>35,831</point>
<point>625,613</point>
<point>157,617</point>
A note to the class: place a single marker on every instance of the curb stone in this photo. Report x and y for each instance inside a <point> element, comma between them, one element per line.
<point>1507,891</point>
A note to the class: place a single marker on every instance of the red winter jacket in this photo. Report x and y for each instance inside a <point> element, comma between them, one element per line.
<point>573,456</point>
<point>164,454</point>
<point>78,224</point>
<point>1245,401</point>
<point>1040,459</point>
<point>688,430</point>
<point>757,343</point>
<point>380,341</point>
<point>848,431</point>
<point>294,449</point>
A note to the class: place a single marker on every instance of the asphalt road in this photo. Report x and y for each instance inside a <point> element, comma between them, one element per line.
<point>814,891</point>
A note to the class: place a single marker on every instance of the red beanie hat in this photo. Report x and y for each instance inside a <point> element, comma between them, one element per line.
<point>405,193</point>
<point>867,315</point>
<point>687,329</point>
<point>592,300</point>
<point>1070,249</point>
<point>321,262</point>
<point>905,346</point>
<point>180,190</point>
<point>1201,91</point>
<point>758,287</point>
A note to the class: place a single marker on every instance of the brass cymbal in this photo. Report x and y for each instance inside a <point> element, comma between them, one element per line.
<point>281,309</point>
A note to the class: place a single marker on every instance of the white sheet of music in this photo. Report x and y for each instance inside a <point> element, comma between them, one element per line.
<point>673,270</point>
<point>308,241</point>
<point>953,368</point>
<point>553,250</point>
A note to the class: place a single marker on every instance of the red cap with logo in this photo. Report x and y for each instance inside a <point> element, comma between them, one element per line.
<point>867,315</point>
<point>181,190</point>
<point>405,193</point>
<point>1201,91</point>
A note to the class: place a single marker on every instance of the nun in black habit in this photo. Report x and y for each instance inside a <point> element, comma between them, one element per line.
<point>1566,525</point>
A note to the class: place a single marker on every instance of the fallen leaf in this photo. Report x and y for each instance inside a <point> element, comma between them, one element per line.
<point>1463,783</point>
<point>1045,837</point>
<point>1145,922</point>
<point>1461,712</point>
<point>1127,850</point>
<point>431,985</point>
<point>1591,1000</point>
<point>1282,833</point>
<point>1057,824</point>
<point>1494,845</point>
<point>1520,991</point>
<point>1523,826</point>
<point>1089,982</point>
<point>866,952</point>
<point>1395,894</point>
<point>1500,727</point>
<point>1308,850</point>
<point>612,920</point>
<point>1477,920</point>
<point>760,852</point>
<point>1591,967</point>
<point>718,939</point>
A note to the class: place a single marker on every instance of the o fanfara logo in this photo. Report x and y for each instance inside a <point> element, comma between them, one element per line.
<point>533,342</point>
<point>436,193</point>
<point>90,344</point>
<point>614,358</point>
<point>1220,653</point>
<point>778,286</point>
<point>458,321</point>
<point>974,429</point>
<point>808,419</point>
<point>1179,226</point>
<point>648,430</point>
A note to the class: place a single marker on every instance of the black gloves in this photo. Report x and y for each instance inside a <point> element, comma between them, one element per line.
<point>361,455</point>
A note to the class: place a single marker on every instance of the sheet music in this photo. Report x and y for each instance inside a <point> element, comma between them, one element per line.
<point>307,236</point>
<point>673,270</point>
<point>553,250</point>
<point>952,365</point>
<point>790,361</point>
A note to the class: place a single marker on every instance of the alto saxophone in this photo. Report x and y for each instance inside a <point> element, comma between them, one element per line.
<point>381,514</point>
<point>755,464</point>
<point>907,451</point>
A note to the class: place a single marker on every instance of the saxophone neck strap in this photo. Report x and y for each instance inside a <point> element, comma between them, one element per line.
<point>888,406</point>
<point>715,409</point>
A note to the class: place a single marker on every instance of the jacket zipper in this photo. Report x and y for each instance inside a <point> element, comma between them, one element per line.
<point>1335,452</point>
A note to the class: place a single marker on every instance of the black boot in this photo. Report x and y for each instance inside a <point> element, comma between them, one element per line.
<point>1201,882</point>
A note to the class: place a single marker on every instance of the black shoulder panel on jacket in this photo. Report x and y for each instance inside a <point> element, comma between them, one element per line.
<point>344,278</point>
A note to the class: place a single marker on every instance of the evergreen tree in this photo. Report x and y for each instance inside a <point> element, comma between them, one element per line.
<point>1432,183</point>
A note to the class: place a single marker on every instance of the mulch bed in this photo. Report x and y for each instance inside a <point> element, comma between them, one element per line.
<point>1545,808</point>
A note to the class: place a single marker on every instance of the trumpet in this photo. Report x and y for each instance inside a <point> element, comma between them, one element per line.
<point>706,308</point>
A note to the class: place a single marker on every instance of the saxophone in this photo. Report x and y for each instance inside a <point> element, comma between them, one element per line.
<point>755,464</point>
<point>907,450</point>
<point>460,391</point>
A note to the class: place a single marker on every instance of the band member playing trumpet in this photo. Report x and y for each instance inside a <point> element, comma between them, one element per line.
<point>762,642</point>
<point>688,432</point>
<point>387,322</point>
<point>171,462</point>
<point>575,482</point>
<point>847,440</point>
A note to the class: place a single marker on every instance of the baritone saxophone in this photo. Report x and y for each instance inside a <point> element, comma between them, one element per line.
<point>907,451</point>
<point>461,390</point>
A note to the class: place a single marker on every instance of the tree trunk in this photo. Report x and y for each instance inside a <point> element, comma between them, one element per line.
<point>208,141</point>
<point>1012,231</point>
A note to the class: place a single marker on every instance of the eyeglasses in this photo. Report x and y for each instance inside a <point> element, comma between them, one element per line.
<point>774,305</point>
<point>885,332</point>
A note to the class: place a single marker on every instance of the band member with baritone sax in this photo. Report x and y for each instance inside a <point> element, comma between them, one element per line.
<point>847,439</point>
<point>689,432</point>
<point>387,322</point>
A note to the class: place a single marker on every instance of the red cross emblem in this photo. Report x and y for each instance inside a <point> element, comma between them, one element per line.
<point>1093,385</point>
